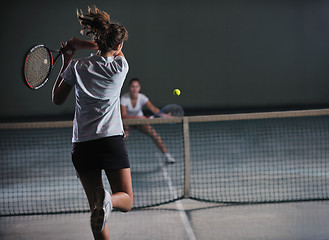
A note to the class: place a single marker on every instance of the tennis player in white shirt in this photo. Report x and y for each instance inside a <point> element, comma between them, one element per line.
<point>131,107</point>
<point>97,142</point>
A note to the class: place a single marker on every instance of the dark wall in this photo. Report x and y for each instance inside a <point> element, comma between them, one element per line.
<point>221,54</point>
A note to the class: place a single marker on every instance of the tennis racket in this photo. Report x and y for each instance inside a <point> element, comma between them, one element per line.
<point>39,61</point>
<point>171,110</point>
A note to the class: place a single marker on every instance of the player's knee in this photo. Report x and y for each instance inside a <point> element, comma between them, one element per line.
<point>129,204</point>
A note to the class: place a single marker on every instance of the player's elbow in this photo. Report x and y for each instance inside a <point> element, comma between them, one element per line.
<point>57,100</point>
<point>60,95</point>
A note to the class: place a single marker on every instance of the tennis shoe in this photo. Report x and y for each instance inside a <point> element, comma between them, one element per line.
<point>169,158</point>
<point>102,210</point>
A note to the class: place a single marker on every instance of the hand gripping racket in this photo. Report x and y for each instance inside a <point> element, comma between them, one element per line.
<point>39,62</point>
<point>171,110</point>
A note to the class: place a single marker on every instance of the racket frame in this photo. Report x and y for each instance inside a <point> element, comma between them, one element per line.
<point>52,63</point>
<point>164,108</point>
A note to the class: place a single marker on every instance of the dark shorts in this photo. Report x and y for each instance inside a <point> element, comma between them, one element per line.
<point>107,153</point>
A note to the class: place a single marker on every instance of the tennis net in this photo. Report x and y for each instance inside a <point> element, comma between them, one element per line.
<point>236,158</point>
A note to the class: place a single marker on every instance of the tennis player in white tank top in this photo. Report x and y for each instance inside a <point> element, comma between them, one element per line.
<point>132,104</point>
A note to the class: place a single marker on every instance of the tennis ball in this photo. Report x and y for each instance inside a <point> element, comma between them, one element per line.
<point>176,92</point>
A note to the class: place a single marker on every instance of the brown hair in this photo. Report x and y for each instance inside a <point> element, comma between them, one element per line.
<point>135,79</point>
<point>106,35</point>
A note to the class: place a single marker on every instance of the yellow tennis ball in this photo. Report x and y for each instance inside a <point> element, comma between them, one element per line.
<point>176,92</point>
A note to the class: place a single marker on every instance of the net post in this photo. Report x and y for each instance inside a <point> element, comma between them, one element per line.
<point>187,160</point>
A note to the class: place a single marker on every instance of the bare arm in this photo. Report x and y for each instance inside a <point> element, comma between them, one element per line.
<point>61,89</point>
<point>76,44</point>
<point>152,108</point>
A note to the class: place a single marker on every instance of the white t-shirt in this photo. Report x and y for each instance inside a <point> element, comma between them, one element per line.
<point>98,81</point>
<point>137,110</point>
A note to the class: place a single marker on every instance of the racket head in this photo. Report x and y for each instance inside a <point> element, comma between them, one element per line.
<point>37,66</point>
<point>173,110</point>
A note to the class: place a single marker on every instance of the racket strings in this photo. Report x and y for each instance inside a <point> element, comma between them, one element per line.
<point>174,110</point>
<point>37,66</point>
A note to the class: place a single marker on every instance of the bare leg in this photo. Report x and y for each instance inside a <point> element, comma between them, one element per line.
<point>120,181</point>
<point>150,131</point>
<point>90,181</point>
<point>122,198</point>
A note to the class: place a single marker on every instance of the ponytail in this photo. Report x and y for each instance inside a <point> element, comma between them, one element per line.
<point>106,35</point>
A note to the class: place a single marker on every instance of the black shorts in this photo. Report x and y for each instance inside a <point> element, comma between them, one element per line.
<point>107,153</point>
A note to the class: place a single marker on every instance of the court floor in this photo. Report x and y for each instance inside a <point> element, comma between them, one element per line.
<point>185,219</point>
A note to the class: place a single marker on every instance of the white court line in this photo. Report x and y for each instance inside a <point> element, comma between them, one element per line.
<point>179,206</point>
